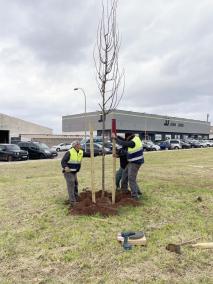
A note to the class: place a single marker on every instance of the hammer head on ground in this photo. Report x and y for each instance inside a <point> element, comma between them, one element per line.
<point>127,234</point>
<point>173,248</point>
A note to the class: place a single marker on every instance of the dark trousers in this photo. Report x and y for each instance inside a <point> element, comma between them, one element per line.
<point>130,176</point>
<point>72,186</point>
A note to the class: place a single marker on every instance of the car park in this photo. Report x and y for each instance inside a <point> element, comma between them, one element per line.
<point>12,152</point>
<point>36,150</point>
<point>62,147</point>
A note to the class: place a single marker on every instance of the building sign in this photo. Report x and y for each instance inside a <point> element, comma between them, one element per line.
<point>167,122</point>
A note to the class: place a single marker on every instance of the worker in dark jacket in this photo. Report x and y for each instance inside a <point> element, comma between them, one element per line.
<point>71,164</point>
<point>135,160</point>
<point>121,153</point>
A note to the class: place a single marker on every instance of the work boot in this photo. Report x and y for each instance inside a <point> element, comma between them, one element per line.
<point>136,198</point>
<point>74,203</point>
<point>124,190</point>
<point>77,197</point>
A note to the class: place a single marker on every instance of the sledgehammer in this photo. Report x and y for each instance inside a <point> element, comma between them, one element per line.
<point>126,235</point>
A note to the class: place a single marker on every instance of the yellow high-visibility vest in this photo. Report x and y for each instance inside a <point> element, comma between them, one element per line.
<point>75,159</point>
<point>136,154</point>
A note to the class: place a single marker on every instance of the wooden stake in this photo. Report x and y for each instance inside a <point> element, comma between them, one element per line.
<point>113,161</point>
<point>92,164</point>
<point>113,171</point>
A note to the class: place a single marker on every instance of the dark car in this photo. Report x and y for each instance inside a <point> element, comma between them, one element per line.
<point>36,150</point>
<point>164,145</point>
<point>194,143</point>
<point>99,140</point>
<point>12,152</point>
<point>185,145</point>
<point>43,146</point>
<point>97,149</point>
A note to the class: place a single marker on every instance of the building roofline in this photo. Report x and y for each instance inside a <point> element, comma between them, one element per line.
<point>133,113</point>
<point>13,117</point>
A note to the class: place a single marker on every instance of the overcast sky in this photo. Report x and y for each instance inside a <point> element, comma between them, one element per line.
<point>46,50</point>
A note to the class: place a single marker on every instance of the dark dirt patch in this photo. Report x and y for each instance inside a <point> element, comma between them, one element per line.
<point>103,205</point>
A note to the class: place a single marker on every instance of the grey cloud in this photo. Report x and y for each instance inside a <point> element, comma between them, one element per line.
<point>55,31</point>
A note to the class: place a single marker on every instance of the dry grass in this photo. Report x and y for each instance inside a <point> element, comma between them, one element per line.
<point>41,243</point>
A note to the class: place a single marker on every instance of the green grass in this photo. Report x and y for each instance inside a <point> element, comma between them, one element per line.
<point>41,243</point>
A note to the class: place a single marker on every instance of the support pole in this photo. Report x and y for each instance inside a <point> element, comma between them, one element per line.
<point>92,164</point>
<point>113,161</point>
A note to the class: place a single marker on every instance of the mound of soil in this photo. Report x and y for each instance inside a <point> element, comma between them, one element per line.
<point>103,205</point>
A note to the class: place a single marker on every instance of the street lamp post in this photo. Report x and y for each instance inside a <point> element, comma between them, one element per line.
<point>85,111</point>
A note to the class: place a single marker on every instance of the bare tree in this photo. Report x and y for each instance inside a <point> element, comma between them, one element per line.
<point>109,79</point>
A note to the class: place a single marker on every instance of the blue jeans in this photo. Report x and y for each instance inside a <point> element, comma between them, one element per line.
<point>118,177</point>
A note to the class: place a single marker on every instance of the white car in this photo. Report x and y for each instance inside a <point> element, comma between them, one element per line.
<point>210,143</point>
<point>62,147</point>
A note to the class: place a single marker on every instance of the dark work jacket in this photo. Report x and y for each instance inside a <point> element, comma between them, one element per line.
<point>122,154</point>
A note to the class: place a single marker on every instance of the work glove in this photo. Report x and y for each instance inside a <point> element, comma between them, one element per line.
<point>67,170</point>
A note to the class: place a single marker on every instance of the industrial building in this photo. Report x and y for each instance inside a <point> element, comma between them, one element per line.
<point>12,129</point>
<point>149,126</point>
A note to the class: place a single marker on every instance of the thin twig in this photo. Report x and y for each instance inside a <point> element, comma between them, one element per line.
<point>189,241</point>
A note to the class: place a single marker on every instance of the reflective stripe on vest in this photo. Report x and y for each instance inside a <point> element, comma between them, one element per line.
<point>136,153</point>
<point>75,159</point>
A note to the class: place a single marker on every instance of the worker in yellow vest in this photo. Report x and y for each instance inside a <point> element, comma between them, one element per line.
<point>135,159</point>
<point>71,164</point>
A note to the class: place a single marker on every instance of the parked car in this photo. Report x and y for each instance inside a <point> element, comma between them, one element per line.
<point>203,143</point>
<point>164,145</point>
<point>175,144</point>
<point>194,143</point>
<point>96,139</point>
<point>99,140</point>
<point>146,146</point>
<point>209,143</point>
<point>150,146</point>
<point>185,145</point>
<point>12,152</point>
<point>36,150</point>
<point>62,147</point>
<point>97,149</point>
<point>43,146</point>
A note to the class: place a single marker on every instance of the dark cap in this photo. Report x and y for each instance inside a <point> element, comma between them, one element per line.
<point>128,134</point>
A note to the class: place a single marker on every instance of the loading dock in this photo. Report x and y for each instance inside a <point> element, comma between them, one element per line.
<point>4,136</point>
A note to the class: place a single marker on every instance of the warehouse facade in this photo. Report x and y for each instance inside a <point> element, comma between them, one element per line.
<point>12,128</point>
<point>148,126</point>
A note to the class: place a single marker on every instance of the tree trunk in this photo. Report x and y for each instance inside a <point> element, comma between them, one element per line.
<point>103,155</point>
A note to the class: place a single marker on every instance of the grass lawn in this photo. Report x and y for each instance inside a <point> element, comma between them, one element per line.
<point>41,243</point>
